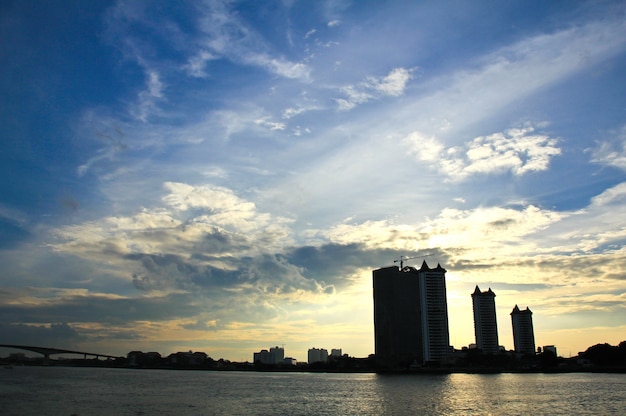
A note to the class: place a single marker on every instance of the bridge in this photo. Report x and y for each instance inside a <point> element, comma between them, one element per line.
<point>47,352</point>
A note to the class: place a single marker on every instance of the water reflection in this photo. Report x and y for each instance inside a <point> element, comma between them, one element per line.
<point>497,394</point>
<point>410,394</point>
<point>36,391</point>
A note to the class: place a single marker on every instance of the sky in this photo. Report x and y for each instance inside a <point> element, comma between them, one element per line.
<point>223,176</point>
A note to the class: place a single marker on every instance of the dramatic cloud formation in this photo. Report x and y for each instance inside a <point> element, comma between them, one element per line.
<point>224,176</point>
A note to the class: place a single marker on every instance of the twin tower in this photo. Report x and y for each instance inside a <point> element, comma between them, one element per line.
<point>411,318</point>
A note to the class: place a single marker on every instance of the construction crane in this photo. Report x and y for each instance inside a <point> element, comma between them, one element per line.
<point>405,258</point>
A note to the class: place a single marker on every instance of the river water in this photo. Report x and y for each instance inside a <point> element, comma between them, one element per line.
<point>67,391</point>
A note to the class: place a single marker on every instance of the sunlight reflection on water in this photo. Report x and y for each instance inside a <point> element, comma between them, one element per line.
<point>82,391</point>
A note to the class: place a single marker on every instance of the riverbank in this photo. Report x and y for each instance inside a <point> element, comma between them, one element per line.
<point>231,366</point>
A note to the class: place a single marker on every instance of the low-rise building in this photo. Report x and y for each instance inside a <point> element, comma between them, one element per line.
<point>275,355</point>
<point>317,355</point>
<point>290,361</point>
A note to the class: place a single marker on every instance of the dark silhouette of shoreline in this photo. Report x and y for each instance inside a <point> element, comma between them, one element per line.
<point>599,358</point>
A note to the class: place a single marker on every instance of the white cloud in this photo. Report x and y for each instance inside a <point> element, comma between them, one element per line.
<point>183,197</point>
<point>224,124</point>
<point>272,125</point>
<point>355,96</point>
<point>477,92</point>
<point>13,216</point>
<point>291,112</point>
<point>516,151</point>
<point>299,131</point>
<point>225,35</point>
<point>146,99</point>
<point>485,231</point>
<point>598,227</point>
<point>195,67</point>
<point>190,215</point>
<point>489,229</point>
<point>614,195</point>
<point>425,148</point>
<point>103,154</point>
<point>612,152</point>
<point>282,67</point>
<point>393,84</point>
<point>215,172</point>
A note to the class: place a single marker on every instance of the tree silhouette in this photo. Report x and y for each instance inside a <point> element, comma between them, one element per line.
<point>606,355</point>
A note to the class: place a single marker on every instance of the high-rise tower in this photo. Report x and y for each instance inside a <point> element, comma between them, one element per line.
<point>523,332</point>
<point>397,317</point>
<point>434,304</point>
<point>485,323</point>
<point>410,316</point>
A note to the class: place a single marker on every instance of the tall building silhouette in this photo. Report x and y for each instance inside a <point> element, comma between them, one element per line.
<point>485,322</point>
<point>523,332</point>
<point>410,316</point>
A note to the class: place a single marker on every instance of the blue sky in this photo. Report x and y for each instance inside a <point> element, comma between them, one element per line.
<point>223,176</point>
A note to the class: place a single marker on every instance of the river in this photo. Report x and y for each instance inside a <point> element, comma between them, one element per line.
<point>68,391</point>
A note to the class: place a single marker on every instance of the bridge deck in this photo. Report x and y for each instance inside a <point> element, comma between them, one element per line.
<point>46,352</point>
